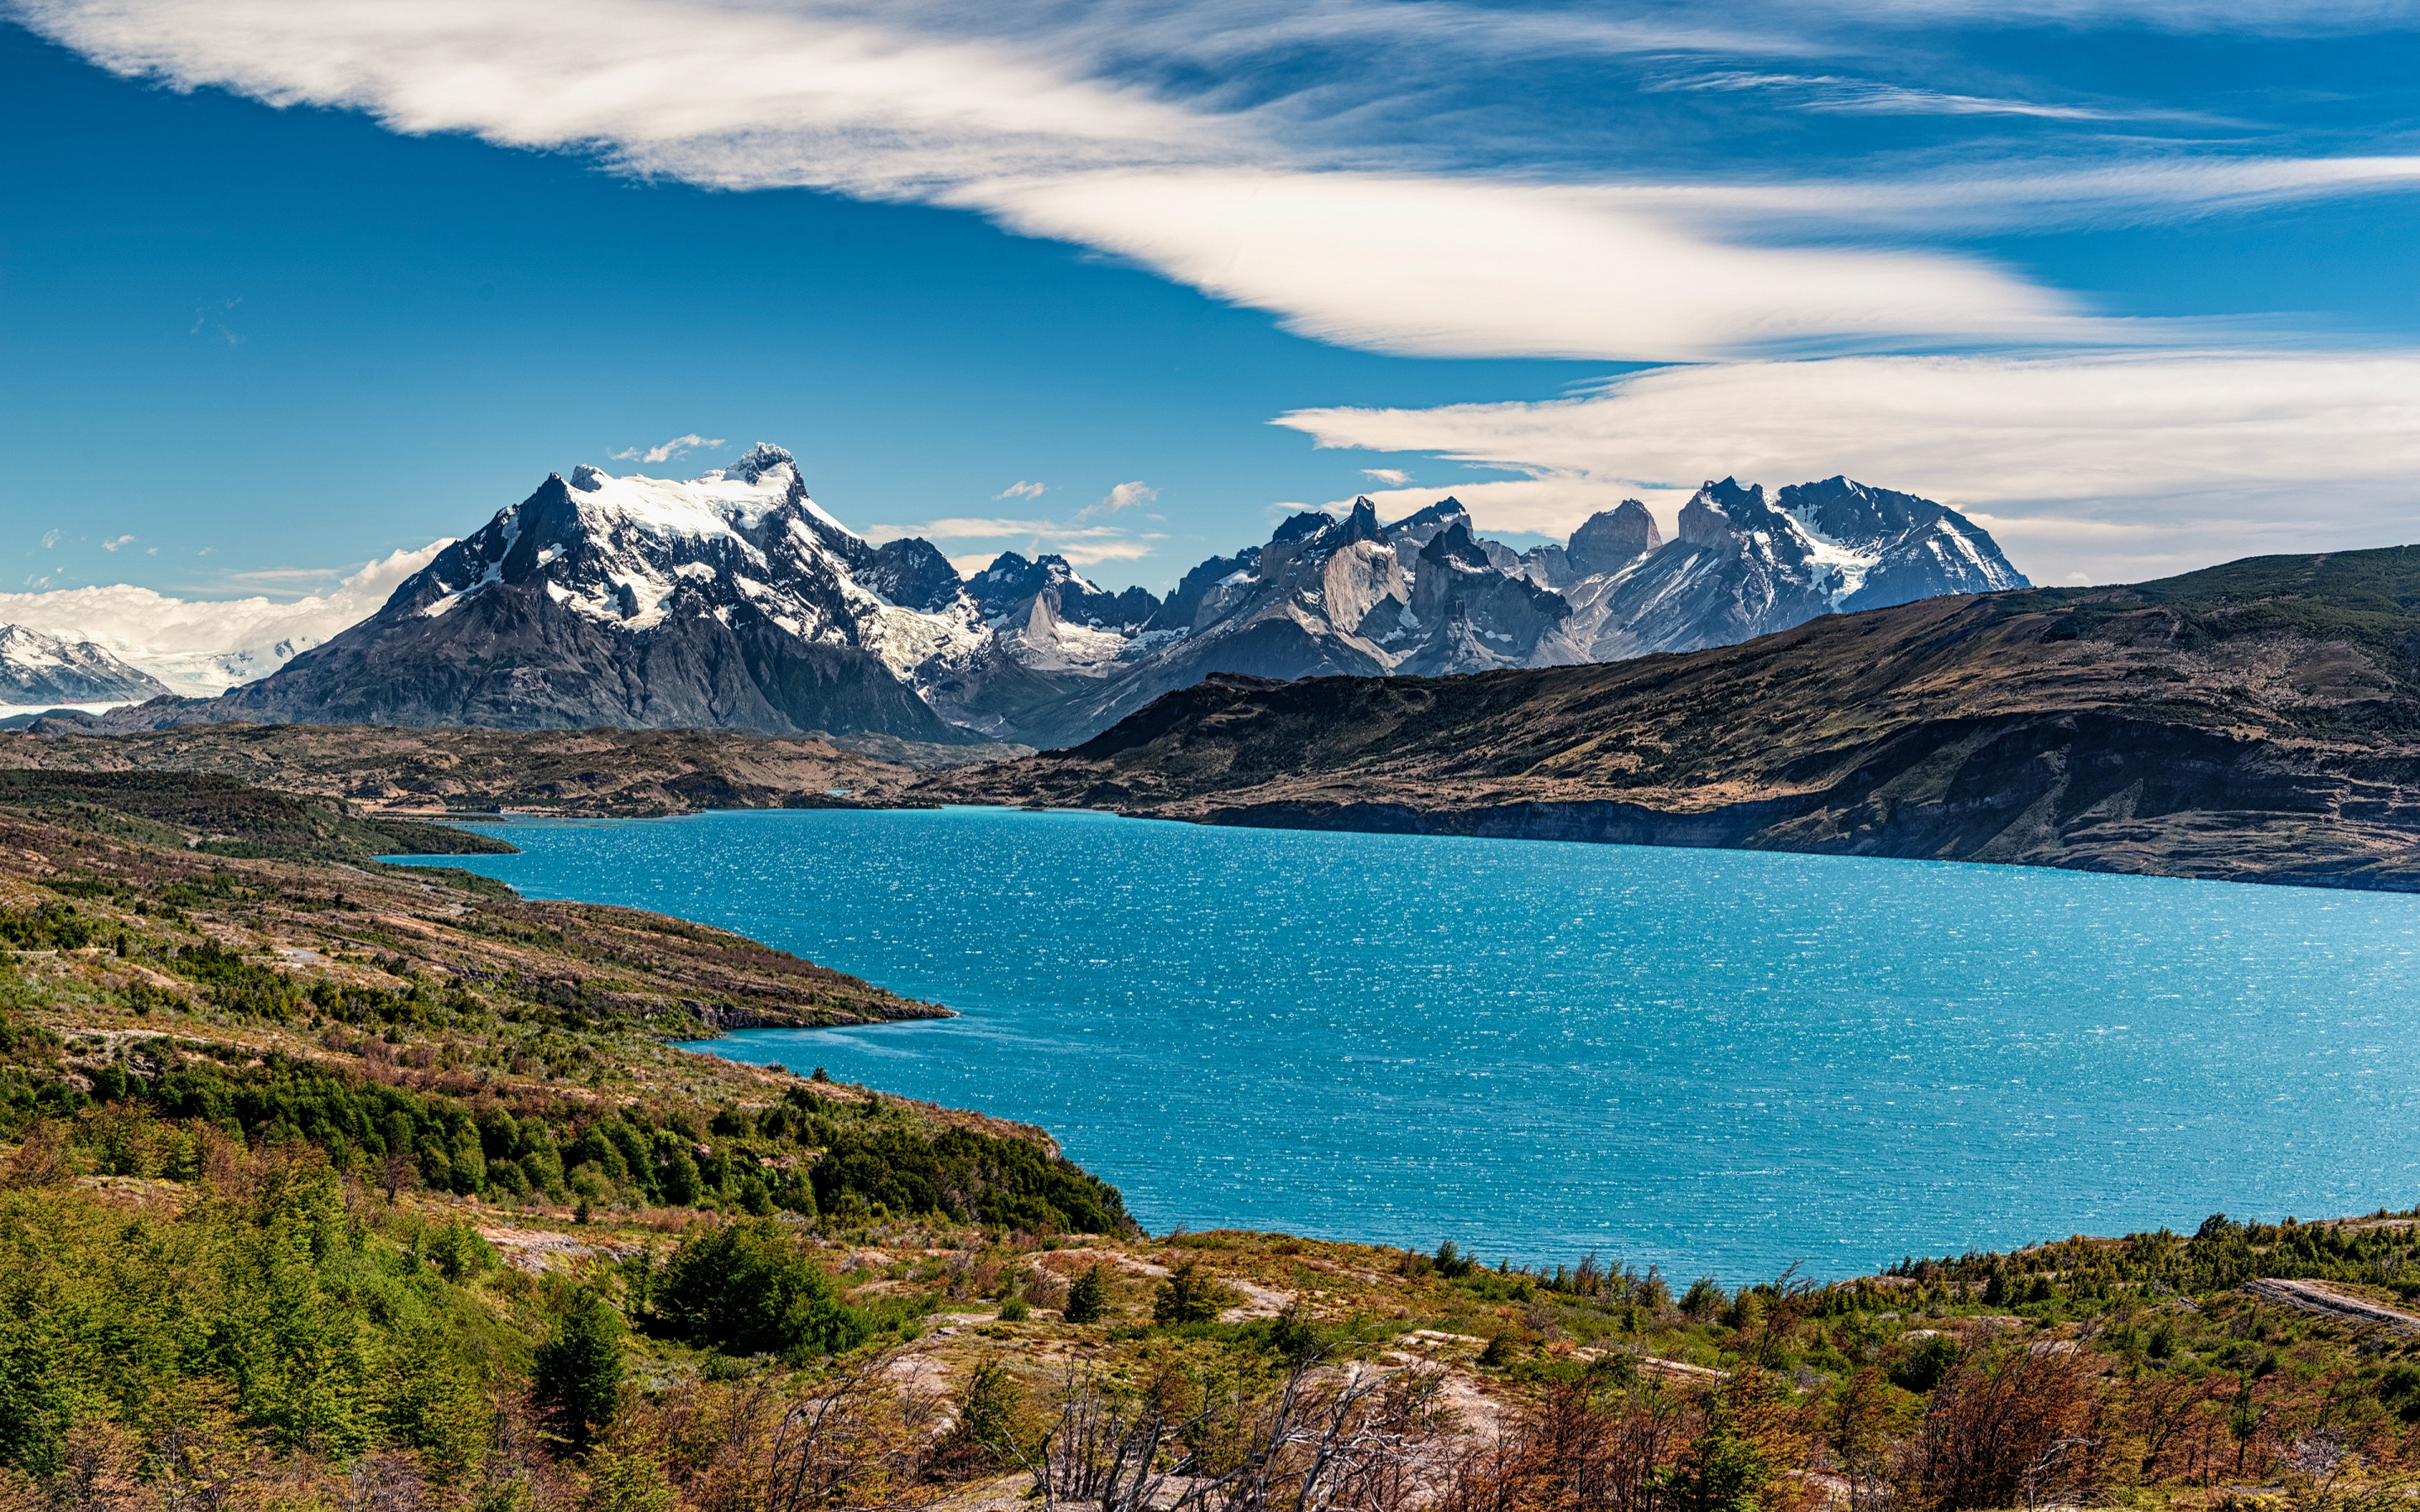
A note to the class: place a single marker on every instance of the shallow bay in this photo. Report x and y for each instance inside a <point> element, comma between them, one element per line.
<point>1716,1060</point>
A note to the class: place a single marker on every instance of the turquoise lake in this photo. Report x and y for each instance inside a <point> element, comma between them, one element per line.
<point>1717,1061</point>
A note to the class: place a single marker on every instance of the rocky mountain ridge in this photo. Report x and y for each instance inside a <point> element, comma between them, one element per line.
<point>733,601</point>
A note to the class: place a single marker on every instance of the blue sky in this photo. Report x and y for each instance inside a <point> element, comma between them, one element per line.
<point>287,286</point>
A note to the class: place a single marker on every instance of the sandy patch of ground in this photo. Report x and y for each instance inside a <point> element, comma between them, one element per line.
<point>539,1250</point>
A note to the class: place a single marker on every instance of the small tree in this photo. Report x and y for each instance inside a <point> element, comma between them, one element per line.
<point>1724,1470</point>
<point>577,1377</point>
<point>747,1288</point>
<point>1088,1297</point>
<point>1189,1295</point>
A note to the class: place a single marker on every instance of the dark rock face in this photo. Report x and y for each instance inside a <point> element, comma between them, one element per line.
<point>1478,616</point>
<point>912,573</point>
<point>1011,584</point>
<point>37,669</point>
<point>514,658</point>
<point>1423,526</point>
<point>1182,608</point>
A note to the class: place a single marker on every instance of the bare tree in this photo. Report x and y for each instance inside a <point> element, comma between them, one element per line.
<point>2319,1456</point>
<point>1329,1440</point>
<point>856,1439</point>
<point>2049,1468</point>
<point>399,1173</point>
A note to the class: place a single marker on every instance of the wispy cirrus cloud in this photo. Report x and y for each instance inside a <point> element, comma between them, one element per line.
<point>1834,94</point>
<point>1021,489</point>
<point>1176,137</point>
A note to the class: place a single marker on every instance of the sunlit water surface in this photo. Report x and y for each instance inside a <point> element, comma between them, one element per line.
<point>1712,1059</point>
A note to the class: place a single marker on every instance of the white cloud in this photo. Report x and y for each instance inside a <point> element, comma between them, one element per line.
<point>670,449</point>
<point>1124,495</point>
<point>1021,489</point>
<point>115,542</point>
<point>1017,114</point>
<point>1391,477</point>
<point>50,539</point>
<point>2117,467</point>
<point>200,646</point>
<point>1441,268</point>
<point>1082,545</point>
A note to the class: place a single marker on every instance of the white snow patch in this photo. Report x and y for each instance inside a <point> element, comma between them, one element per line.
<point>1845,566</point>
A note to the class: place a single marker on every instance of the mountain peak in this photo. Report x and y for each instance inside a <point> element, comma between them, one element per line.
<point>1614,538</point>
<point>1310,522</point>
<point>759,459</point>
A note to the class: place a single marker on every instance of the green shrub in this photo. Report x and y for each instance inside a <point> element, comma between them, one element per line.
<point>1088,1297</point>
<point>747,1287</point>
<point>1189,1295</point>
<point>1926,1363</point>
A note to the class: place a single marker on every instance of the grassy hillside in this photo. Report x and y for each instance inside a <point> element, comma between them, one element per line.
<point>2258,721</point>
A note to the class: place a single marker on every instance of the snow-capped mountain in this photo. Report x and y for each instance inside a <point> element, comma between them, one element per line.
<point>734,600</point>
<point>1745,566</point>
<point>1428,595</point>
<point>41,670</point>
<point>729,600</point>
<point>1050,619</point>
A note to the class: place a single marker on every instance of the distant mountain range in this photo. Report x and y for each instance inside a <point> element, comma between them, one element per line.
<point>2257,721</point>
<point>39,670</point>
<point>733,601</point>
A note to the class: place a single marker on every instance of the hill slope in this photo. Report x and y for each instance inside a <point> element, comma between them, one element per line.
<point>2258,721</point>
<point>576,772</point>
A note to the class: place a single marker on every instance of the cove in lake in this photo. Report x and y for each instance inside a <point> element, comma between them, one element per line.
<point>1717,1060</point>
